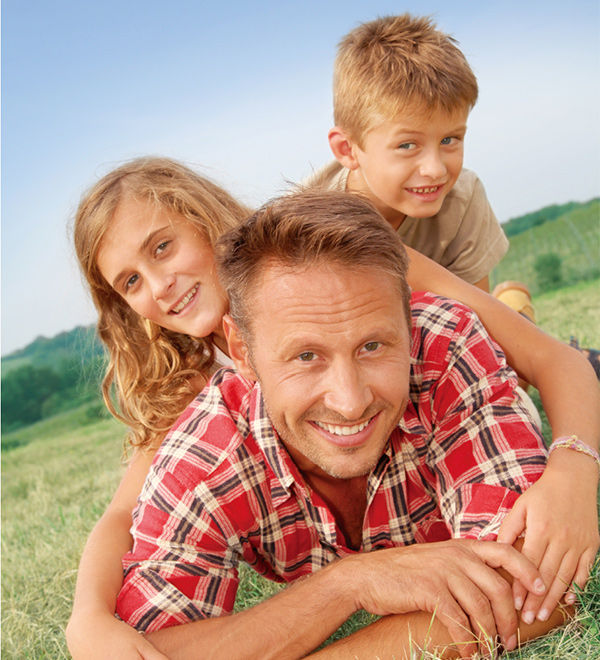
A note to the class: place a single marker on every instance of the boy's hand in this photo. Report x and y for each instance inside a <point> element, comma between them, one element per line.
<point>97,637</point>
<point>559,519</point>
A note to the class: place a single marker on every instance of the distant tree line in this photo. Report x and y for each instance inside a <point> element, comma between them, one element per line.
<point>524,222</point>
<point>31,393</point>
<point>49,376</point>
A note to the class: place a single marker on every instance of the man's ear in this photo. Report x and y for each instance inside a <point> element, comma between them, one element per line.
<point>238,349</point>
<point>343,147</point>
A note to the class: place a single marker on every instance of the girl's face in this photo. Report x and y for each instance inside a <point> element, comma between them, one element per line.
<point>163,268</point>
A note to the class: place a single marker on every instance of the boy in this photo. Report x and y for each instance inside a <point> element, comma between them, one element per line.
<point>402,95</point>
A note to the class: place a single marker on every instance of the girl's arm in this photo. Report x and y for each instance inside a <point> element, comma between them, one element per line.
<point>559,511</point>
<point>93,631</point>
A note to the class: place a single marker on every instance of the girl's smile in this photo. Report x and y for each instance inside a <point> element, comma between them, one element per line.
<point>163,267</point>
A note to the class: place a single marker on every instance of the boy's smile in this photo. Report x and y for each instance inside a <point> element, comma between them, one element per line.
<point>407,166</point>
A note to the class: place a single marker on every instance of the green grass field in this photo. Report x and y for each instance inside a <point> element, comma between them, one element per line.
<point>575,237</point>
<point>60,474</point>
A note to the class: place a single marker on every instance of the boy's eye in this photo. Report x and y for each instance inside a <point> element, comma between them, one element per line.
<point>447,140</point>
<point>407,145</point>
<point>307,356</point>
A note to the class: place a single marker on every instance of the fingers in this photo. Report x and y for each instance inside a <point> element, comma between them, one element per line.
<point>536,549</point>
<point>557,570</point>
<point>458,625</point>
<point>499,614</point>
<point>580,579</point>
<point>519,594</point>
<point>499,555</point>
<point>513,524</point>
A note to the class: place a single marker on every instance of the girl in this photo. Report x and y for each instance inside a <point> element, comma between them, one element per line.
<point>144,236</point>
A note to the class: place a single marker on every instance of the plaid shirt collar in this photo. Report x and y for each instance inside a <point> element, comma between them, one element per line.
<point>285,470</point>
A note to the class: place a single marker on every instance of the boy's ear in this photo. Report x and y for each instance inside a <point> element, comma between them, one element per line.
<point>238,349</point>
<point>343,147</point>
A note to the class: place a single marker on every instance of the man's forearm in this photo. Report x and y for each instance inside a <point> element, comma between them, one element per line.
<point>289,625</point>
<point>398,636</point>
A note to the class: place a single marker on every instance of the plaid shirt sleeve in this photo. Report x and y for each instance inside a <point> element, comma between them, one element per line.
<point>485,449</point>
<point>183,567</point>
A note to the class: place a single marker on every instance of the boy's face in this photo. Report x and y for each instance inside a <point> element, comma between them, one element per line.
<point>407,166</point>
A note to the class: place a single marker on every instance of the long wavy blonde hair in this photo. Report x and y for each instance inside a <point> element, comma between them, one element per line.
<point>150,369</point>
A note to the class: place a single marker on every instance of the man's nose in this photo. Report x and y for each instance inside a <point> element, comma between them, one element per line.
<point>347,392</point>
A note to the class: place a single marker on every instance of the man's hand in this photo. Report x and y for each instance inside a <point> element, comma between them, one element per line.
<point>101,636</point>
<point>454,579</point>
<point>559,519</point>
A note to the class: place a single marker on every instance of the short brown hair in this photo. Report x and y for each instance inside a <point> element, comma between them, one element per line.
<point>393,62</point>
<point>302,229</point>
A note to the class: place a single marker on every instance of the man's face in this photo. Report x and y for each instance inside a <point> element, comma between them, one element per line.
<point>330,346</point>
<point>407,166</point>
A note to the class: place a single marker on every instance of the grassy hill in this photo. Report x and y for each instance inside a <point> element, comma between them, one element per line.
<point>81,344</point>
<point>574,236</point>
<point>49,376</point>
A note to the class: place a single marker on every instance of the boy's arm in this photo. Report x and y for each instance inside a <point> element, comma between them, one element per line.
<point>560,509</point>
<point>483,284</point>
<point>93,631</point>
<point>566,381</point>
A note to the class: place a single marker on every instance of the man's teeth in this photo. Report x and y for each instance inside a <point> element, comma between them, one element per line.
<point>185,300</point>
<point>424,190</point>
<point>343,430</point>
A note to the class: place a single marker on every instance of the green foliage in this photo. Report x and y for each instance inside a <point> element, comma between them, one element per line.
<point>81,343</point>
<point>548,270</point>
<point>574,237</point>
<point>24,391</point>
<point>518,225</point>
<point>49,376</point>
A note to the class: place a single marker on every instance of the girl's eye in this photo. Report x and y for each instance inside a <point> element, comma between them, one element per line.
<point>307,356</point>
<point>372,346</point>
<point>131,281</point>
<point>161,247</point>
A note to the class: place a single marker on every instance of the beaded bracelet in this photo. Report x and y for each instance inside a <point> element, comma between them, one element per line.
<point>573,442</point>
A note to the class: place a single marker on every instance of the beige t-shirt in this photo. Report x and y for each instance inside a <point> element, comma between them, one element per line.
<point>465,237</point>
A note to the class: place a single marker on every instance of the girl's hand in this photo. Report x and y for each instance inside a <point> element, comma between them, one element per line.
<point>97,637</point>
<point>559,519</point>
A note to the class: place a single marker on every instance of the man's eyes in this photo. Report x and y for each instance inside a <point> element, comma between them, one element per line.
<point>372,346</point>
<point>310,356</point>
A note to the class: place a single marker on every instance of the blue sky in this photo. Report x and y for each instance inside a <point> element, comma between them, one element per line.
<point>241,90</point>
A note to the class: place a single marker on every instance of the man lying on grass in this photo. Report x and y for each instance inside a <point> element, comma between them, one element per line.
<point>367,450</point>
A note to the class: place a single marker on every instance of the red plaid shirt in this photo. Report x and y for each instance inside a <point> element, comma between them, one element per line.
<point>224,489</point>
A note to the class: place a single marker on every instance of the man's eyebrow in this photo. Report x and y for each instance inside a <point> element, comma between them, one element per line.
<point>143,246</point>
